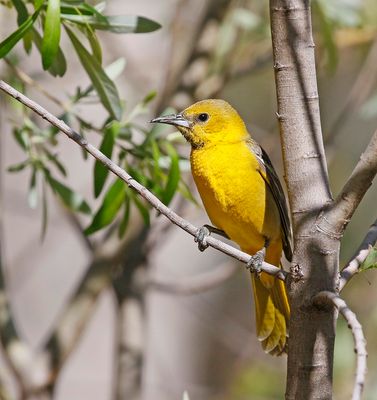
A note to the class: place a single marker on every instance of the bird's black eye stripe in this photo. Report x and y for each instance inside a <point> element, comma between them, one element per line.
<point>203,117</point>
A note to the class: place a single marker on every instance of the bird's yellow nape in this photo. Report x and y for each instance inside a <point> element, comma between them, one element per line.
<point>208,122</point>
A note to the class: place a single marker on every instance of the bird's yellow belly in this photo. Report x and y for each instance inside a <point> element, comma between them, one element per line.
<point>235,195</point>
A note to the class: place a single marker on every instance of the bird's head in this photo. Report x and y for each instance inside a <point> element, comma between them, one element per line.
<point>208,122</point>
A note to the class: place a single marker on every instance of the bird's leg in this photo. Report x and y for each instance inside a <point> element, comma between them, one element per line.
<point>256,261</point>
<point>205,231</point>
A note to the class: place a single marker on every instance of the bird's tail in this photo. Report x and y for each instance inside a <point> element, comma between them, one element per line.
<point>271,313</point>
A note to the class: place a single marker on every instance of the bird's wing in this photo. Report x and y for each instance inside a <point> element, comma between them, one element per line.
<point>270,176</point>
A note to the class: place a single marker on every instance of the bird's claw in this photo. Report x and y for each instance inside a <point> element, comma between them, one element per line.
<point>201,238</point>
<point>255,262</point>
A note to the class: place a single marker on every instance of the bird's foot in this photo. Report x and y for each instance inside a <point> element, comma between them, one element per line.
<point>201,237</point>
<point>255,262</point>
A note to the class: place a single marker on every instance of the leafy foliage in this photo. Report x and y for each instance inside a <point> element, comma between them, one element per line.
<point>144,153</point>
<point>78,18</point>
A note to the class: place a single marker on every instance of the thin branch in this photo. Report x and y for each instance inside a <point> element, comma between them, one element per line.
<point>331,298</point>
<point>197,284</point>
<point>132,183</point>
<point>361,254</point>
<point>335,220</point>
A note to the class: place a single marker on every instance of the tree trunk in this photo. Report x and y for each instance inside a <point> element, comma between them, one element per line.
<point>316,252</point>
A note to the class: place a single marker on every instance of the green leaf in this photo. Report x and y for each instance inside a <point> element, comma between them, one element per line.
<point>113,70</point>
<point>38,3</point>
<point>71,199</point>
<point>22,138</point>
<point>94,44</point>
<point>19,166</point>
<point>7,44</point>
<point>51,157</point>
<point>95,11</point>
<point>126,217</point>
<point>149,97</point>
<point>59,64</point>
<point>144,212</point>
<point>173,177</point>
<point>109,208</point>
<point>371,261</point>
<point>115,23</point>
<point>33,192</point>
<point>107,145</point>
<point>51,35</point>
<point>76,9</point>
<point>104,86</point>
<point>22,14</point>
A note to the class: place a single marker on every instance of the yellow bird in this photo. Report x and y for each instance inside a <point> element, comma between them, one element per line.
<point>244,199</point>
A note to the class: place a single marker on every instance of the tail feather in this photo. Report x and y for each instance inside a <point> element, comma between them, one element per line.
<point>272,313</point>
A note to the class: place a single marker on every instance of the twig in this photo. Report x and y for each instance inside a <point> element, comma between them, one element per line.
<point>358,337</point>
<point>197,284</point>
<point>361,254</point>
<point>132,183</point>
<point>336,219</point>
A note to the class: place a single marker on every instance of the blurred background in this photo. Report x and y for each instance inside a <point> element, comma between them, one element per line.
<point>146,315</point>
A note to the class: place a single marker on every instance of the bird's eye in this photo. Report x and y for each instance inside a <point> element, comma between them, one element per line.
<point>203,117</point>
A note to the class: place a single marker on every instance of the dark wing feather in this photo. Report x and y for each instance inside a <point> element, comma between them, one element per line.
<point>274,184</point>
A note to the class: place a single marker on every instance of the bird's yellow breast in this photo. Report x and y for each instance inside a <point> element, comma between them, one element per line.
<point>235,195</point>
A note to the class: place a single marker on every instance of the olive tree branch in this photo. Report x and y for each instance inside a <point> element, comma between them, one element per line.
<point>133,184</point>
<point>352,267</point>
<point>337,217</point>
<point>331,298</point>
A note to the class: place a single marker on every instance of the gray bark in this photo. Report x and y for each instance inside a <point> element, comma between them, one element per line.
<point>312,330</point>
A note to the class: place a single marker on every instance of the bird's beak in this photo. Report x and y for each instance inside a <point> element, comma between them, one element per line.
<point>173,119</point>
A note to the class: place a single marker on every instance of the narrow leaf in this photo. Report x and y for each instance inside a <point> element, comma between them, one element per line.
<point>7,44</point>
<point>100,171</point>
<point>19,166</point>
<point>173,177</point>
<point>144,212</point>
<point>59,64</point>
<point>94,44</point>
<point>126,217</point>
<point>371,261</point>
<point>116,23</point>
<point>104,86</point>
<point>51,35</point>
<point>22,138</point>
<point>111,204</point>
<point>22,14</point>
<point>71,199</point>
<point>56,162</point>
<point>38,3</point>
